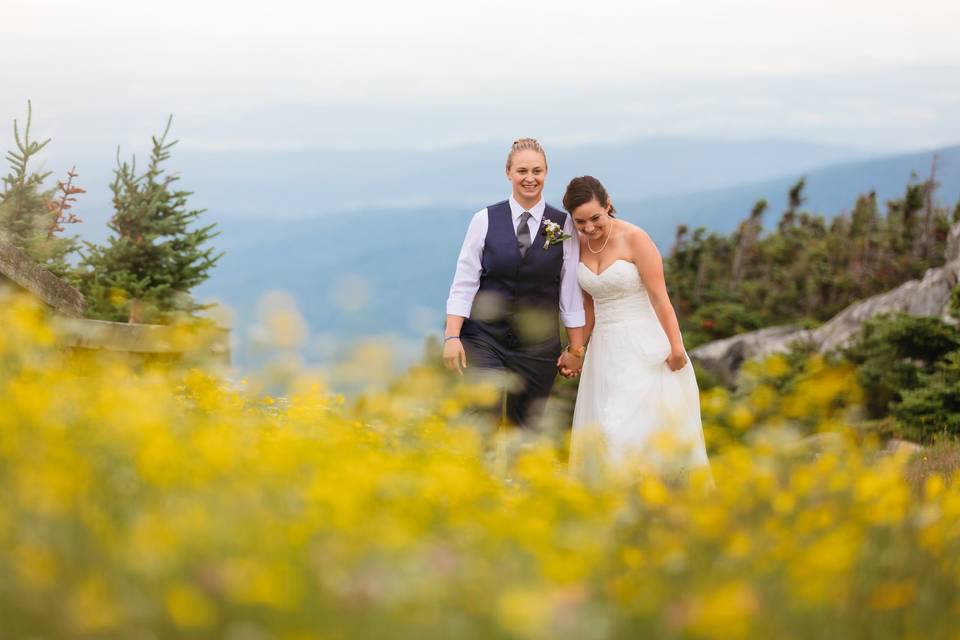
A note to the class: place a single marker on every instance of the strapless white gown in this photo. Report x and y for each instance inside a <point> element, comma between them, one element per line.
<point>631,408</point>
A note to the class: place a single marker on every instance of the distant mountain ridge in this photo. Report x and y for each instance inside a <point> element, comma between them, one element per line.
<point>401,261</point>
<point>310,182</point>
<point>830,190</point>
<point>316,182</point>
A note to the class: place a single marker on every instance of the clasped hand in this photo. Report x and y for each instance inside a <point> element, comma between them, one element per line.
<point>569,365</point>
<point>677,359</point>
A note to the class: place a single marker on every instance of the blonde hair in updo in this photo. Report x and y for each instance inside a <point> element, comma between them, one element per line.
<point>525,144</point>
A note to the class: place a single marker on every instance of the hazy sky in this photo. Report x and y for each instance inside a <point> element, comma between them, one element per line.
<point>428,72</point>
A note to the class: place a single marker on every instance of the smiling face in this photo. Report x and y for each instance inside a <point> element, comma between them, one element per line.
<point>592,219</point>
<point>527,173</point>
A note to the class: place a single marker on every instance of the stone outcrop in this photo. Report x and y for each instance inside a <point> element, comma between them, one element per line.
<point>952,254</point>
<point>210,343</point>
<point>21,270</point>
<point>929,296</point>
<point>724,357</point>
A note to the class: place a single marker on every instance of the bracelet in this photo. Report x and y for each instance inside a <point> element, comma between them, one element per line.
<point>450,338</point>
<point>579,352</point>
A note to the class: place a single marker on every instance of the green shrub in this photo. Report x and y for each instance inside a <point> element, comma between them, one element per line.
<point>934,406</point>
<point>893,352</point>
<point>955,302</point>
<point>717,320</point>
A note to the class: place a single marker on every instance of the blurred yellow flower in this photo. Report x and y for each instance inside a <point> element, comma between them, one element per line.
<point>725,612</point>
<point>776,366</point>
<point>36,566</point>
<point>526,612</point>
<point>740,417</point>
<point>92,607</point>
<point>189,608</point>
<point>161,499</point>
<point>893,595</point>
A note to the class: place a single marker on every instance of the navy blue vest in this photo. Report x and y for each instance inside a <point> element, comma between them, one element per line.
<point>518,302</point>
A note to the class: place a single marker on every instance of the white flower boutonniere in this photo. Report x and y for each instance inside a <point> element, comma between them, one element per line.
<point>554,233</point>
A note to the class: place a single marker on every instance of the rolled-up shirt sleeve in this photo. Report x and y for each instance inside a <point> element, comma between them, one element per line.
<point>466,279</point>
<point>571,298</point>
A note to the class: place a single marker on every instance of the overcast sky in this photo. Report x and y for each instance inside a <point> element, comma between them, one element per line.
<point>424,73</point>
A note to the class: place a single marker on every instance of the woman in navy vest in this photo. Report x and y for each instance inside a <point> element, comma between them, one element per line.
<point>513,281</point>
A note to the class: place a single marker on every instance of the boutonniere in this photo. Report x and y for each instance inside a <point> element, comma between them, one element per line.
<point>554,233</point>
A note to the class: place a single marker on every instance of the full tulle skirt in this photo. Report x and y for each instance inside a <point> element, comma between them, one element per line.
<point>631,409</point>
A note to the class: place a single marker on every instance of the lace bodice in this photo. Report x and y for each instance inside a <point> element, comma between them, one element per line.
<point>618,292</point>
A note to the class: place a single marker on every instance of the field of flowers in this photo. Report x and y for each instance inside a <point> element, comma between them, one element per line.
<point>163,502</point>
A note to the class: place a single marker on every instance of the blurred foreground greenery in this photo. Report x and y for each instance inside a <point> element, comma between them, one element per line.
<point>165,502</point>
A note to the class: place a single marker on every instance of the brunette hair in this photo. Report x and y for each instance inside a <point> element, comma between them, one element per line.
<point>582,190</point>
<point>525,144</point>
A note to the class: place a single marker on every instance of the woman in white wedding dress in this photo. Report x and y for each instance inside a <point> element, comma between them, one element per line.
<point>638,404</point>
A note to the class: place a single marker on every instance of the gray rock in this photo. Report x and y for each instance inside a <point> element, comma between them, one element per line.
<point>18,269</point>
<point>896,445</point>
<point>724,357</point>
<point>953,245</point>
<point>927,297</point>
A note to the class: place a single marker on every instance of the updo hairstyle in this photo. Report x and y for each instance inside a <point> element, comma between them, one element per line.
<point>582,190</point>
<point>525,144</point>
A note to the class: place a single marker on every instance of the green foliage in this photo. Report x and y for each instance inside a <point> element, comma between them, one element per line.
<point>806,270</point>
<point>155,256</point>
<point>954,308</point>
<point>31,216</point>
<point>933,407</point>
<point>907,367</point>
<point>718,320</point>
<point>894,353</point>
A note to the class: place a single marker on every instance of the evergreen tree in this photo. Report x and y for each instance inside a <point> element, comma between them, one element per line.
<point>926,239</point>
<point>806,269</point>
<point>893,350</point>
<point>931,408</point>
<point>31,216</point>
<point>154,257</point>
<point>746,237</point>
<point>679,239</point>
<point>795,200</point>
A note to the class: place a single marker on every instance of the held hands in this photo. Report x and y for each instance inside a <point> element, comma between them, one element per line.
<point>569,364</point>
<point>454,357</point>
<point>677,359</point>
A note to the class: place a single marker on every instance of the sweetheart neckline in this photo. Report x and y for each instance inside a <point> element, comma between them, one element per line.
<point>607,267</point>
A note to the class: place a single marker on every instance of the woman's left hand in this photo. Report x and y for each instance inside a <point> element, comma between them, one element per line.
<point>677,359</point>
<point>569,364</point>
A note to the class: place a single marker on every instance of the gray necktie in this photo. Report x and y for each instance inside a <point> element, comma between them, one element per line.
<point>523,233</point>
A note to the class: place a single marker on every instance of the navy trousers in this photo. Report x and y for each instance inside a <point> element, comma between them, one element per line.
<point>535,368</point>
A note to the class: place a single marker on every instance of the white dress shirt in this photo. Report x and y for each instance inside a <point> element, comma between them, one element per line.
<point>466,280</point>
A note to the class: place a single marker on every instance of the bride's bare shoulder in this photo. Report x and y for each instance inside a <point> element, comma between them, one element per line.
<point>634,235</point>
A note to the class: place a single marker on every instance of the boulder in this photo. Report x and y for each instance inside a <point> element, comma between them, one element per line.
<point>929,296</point>
<point>19,272</point>
<point>724,357</point>
<point>952,254</point>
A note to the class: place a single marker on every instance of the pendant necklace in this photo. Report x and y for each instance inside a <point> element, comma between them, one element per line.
<point>604,242</point>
